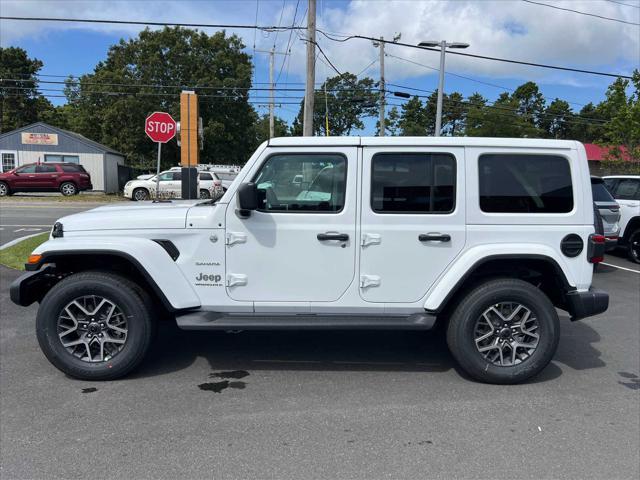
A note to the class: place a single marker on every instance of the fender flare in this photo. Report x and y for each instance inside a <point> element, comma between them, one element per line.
<point>459,271</point>
<point>150,259</point>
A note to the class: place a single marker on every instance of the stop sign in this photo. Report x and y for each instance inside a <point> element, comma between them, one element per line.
<point>160,127</point>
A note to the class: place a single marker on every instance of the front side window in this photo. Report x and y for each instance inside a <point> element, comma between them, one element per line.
<point>166,176</point>
<point>514,183</point>
<point>413,182</point>
<point>628,189</point>
<point>27,169</point>
<point>302,183</point>
<point>8,161</point>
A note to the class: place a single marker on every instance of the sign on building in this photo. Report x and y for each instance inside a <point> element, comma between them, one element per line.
<point>39,138</point>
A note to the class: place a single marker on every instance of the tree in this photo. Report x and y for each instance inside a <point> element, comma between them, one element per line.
<point>589,124</point>
<point>391,126</point>
<point>453,113</point>
<point>475,115</point>
<point>280,127</point>
<point>20,101</point>
<point>349,101</point>
<point>624,127</point>
<point>556,120</point>
<point>146,73</point>
<point>530,102</point>
<point>413,118</point>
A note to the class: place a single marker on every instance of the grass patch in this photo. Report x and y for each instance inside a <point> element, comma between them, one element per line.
<point>16,255</point>
<point>82,197</point>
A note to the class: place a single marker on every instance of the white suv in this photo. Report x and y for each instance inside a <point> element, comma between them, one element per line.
<point>170,186</point>
<point>483,236</point>
<point>626,190</point>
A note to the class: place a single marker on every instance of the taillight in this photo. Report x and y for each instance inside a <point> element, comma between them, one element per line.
<point>217,183</point>
<point>595,252</point>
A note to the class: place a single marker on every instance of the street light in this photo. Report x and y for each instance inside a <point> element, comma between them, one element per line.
<point>443,48</point>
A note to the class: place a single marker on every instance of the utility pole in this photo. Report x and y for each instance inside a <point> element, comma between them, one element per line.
<point>443,49</point>
<point>272,53</point>
<point>309,90</point>
<point>271,99</point>
<point>382,92</point>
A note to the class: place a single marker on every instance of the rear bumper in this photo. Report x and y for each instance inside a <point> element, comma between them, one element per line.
<point>586,304</point>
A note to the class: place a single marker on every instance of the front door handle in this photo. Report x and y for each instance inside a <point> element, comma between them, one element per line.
<point>434,237</point>
<point>342,237</point>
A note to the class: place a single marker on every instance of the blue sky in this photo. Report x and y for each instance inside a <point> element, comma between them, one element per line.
<point>507,28</point>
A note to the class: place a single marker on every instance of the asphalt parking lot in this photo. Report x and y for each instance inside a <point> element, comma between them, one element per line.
<point>326,405</point>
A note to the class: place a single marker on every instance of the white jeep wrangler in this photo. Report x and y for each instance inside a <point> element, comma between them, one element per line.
<point>485,237</point>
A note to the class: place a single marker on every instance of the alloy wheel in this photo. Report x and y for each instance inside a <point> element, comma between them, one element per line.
<point>92,328</point>
<point>3,190</point>
<point>140,195</point>
<point>507,334</point>
<point>634,246</point>
<point>68,189</point>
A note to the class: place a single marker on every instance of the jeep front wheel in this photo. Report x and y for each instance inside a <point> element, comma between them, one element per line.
<point>95,325</point>
<point>504,331</point>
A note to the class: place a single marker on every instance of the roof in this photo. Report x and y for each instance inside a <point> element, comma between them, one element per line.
<point>598,153</point>
<point>420,141</point>
<point>60,131</point>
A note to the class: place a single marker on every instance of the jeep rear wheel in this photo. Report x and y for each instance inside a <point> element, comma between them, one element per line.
<point>140,194</point>
<point>634,246</point>
<point>4,189</point>
<point>504,331</point>
<point>68,189</point>
<point>95,325</point>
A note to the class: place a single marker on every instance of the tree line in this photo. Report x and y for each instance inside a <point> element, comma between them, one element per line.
<point>147,73</point>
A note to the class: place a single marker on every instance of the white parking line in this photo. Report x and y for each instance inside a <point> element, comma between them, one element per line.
<point>47,226</point>
<point>621,268</point>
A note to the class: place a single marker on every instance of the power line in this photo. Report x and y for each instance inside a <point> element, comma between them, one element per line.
<point>468,78</point>
<point>622,3</point>
<point>288,48</point>
<point>330,37</point>
<point>581,13</point>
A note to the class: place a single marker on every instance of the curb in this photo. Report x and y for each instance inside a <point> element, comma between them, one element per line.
<point>18,240</point>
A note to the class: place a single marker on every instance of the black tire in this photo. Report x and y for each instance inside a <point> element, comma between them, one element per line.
<point>204,194</point>
<point>68,189</point>
<point>132,300</point>
<point>140,194</point>
<point>5,191</point>
<point>633,246</point>
<point>462,325</point>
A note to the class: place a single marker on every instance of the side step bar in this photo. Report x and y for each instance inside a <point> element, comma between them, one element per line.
<point>224,321</point>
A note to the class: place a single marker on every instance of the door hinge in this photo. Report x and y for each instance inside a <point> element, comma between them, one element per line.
<point>235,237</point>
<point>236,279</point>
<point>369,281</point>
<point>370,239</point>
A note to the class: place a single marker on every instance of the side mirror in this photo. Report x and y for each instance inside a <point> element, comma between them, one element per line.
<point>247,198</point>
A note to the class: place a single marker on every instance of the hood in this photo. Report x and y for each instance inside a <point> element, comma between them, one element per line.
<point>125,216</point>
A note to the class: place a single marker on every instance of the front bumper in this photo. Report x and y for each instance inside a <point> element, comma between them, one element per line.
<point>32,286</point>
<point>585,304</point>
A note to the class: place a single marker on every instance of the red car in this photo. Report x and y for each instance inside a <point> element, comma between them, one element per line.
<point>66,178</point>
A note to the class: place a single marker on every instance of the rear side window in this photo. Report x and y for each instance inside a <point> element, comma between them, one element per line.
<point>628,189</point>
<point>413,182</point>
<point>513,183</point>
<point>600,192</point>
<point>72,168</point>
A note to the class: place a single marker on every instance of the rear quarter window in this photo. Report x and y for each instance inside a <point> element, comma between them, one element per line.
<point>72,168</point>
<point>600,192</point>
<point>525,183</point>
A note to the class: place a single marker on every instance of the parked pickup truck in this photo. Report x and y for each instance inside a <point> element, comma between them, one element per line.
<point>483,237</point>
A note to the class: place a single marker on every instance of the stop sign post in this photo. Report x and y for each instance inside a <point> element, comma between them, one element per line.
<point>160,127</point>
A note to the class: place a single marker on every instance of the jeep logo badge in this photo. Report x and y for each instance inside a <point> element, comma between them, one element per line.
<point>209,278</point>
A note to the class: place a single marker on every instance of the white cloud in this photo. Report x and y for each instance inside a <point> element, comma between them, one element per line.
<point>509,29</point>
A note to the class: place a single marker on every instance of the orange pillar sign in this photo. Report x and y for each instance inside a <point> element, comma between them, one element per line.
<point>189,129</point>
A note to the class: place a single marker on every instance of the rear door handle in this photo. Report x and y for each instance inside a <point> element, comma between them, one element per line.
<point>342,237</point>
<point>434,237</point>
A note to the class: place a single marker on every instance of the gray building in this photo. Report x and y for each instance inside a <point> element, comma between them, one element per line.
<point>40,142</point>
